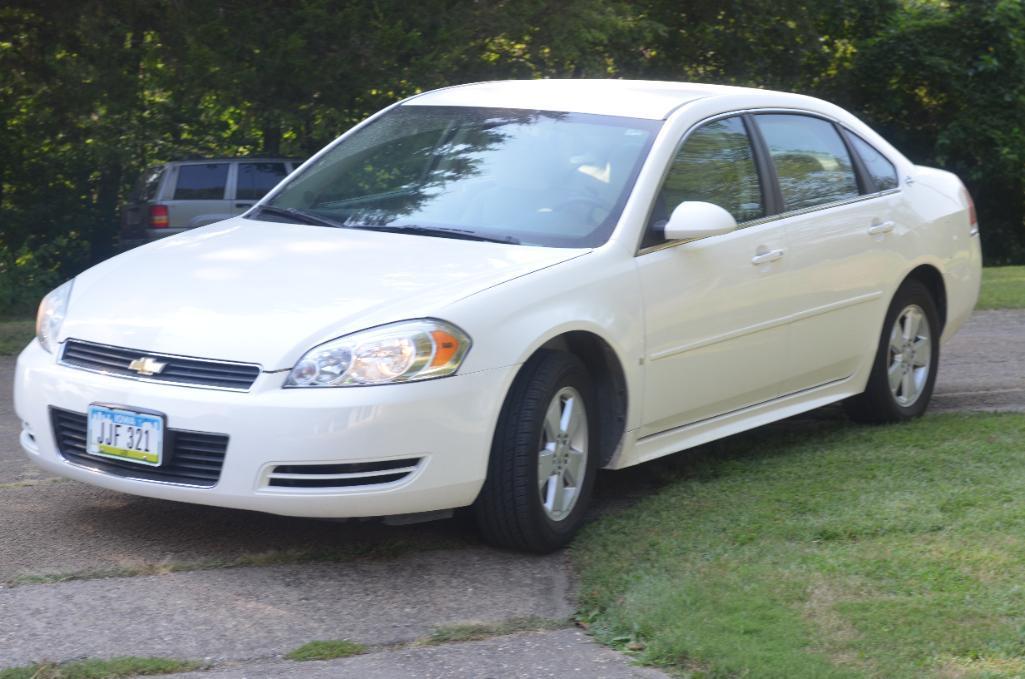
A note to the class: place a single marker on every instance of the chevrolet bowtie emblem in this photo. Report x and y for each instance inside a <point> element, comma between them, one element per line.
<point>146,366</point>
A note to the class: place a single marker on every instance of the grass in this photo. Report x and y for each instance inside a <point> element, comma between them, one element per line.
<point>479,631</point>
<point>384,549</point>
<point>29,483</point>
<point>827,551</point>
<point>326,650</point>
<point>1003,287</point>
<point>100,669</point>
<point>15,334</point>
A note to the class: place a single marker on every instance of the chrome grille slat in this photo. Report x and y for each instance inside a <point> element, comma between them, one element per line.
<point>180,370</point>
<point>342,475</point>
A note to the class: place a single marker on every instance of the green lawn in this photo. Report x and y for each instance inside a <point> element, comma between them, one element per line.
<point>1003,287</point>
<point>823,550</point>
<point>100,669</point>
<point>326,650</point>
<point>14,335</point>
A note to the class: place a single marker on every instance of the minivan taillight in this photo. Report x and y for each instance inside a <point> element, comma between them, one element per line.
<point>159,217</point>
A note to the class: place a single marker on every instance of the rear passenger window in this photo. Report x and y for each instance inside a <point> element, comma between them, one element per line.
<point>811,160</point>
<point>256,179</point>
<point>714,165</point>
<point>201,182</point>
<point>882,171</point>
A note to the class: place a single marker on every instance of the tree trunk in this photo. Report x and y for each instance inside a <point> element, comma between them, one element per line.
<point>272,138</point>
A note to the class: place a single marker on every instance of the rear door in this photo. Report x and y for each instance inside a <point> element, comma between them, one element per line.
<point>838,224</point>
<point>254,179</point>
<point>199,195</point>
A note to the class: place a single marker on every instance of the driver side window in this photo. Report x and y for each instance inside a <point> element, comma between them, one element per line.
<point>716,165</point>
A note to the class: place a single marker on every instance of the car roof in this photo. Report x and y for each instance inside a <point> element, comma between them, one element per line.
<point>649,99</point>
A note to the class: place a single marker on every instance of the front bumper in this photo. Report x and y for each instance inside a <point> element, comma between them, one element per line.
<point>448,423</point>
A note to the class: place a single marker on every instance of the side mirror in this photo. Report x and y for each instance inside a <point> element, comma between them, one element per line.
<point>694,219</point>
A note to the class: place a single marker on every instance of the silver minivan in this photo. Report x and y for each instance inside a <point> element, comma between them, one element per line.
<point>183,194</point>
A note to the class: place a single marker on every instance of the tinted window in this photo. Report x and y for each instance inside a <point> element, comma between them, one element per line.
<point>811,160</point>
<point>534,177</point>
<point>714,165</point>
<point>201,182</point>
<point>882,171</point>
<point>256,179</point>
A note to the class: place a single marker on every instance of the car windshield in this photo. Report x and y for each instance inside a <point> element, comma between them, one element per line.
<point>518,176</point>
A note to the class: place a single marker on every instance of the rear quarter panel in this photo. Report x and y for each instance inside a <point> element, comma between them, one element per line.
<point>937,203</point>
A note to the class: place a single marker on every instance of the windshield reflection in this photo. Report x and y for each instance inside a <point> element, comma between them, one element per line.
<point>539,177</point>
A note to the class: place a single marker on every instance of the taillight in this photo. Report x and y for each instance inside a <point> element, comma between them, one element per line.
<point>159,217</point>
<point>973,220</point>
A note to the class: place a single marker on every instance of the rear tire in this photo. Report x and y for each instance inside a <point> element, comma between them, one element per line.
<point>907,358</point>
<point>543,459</point>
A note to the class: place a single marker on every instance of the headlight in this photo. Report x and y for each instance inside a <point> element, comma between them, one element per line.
<point>51,315</point>
<point>400,352</point>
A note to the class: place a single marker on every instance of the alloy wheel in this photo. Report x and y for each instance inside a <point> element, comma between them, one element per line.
<point>910,355</point>
<point>562,456</point>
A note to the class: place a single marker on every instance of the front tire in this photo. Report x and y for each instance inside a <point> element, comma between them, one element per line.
<point>904,370</point>
<point>543,458</point>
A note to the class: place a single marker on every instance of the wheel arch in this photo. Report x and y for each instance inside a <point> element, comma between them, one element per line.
<point>606,371</point>
<point>929,276</point>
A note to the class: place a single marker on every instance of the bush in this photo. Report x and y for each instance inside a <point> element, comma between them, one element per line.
<point>28,273</point>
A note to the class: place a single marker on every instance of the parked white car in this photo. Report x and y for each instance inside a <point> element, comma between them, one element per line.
<point>482,294</point>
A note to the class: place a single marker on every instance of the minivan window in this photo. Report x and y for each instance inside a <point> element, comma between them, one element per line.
<point>881,170</point>
<point>715,165</point>
<point>148,183</point>
<point>204,181</point>
<point>515,175</point>
<point>256,179</point>
<point>810,158</point>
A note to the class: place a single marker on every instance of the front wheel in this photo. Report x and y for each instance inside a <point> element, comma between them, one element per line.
<point>543,463</point>
<point>904,371</point>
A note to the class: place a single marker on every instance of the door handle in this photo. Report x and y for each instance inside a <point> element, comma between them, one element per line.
<point>881,228</point>
<point>766,256</point>
<point>243,204</point>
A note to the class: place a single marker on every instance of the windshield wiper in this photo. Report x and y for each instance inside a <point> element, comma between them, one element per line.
<point>444,232</point>
<point>305,217</point>
<point>300,216</point>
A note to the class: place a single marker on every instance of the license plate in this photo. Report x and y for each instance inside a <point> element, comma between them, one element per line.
<point>125,435</point>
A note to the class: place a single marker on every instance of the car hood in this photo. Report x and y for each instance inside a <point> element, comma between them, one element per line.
<point>263,292</point>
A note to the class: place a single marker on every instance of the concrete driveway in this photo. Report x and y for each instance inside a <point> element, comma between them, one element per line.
<point>87,572</point>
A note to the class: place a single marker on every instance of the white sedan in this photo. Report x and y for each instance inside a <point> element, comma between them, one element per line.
<point>483,294</point>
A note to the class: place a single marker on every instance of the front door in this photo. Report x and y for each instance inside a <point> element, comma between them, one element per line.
<point>715,309</point>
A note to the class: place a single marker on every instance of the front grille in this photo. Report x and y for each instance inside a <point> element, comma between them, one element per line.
<point>342,475</point>
<point>190,457</point>
<point>194,372</point>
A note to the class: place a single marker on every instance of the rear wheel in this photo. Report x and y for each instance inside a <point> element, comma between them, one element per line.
<point>542,466</point>
<point>904,372</point>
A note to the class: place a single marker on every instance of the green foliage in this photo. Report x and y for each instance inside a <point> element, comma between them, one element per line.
<point>92,92</point>
<point>26,275</point>
<point>945,82</point>
<point>100,669</point>
<point>823,550</point>
<point>1003,287</point>
<point>326,650</point>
